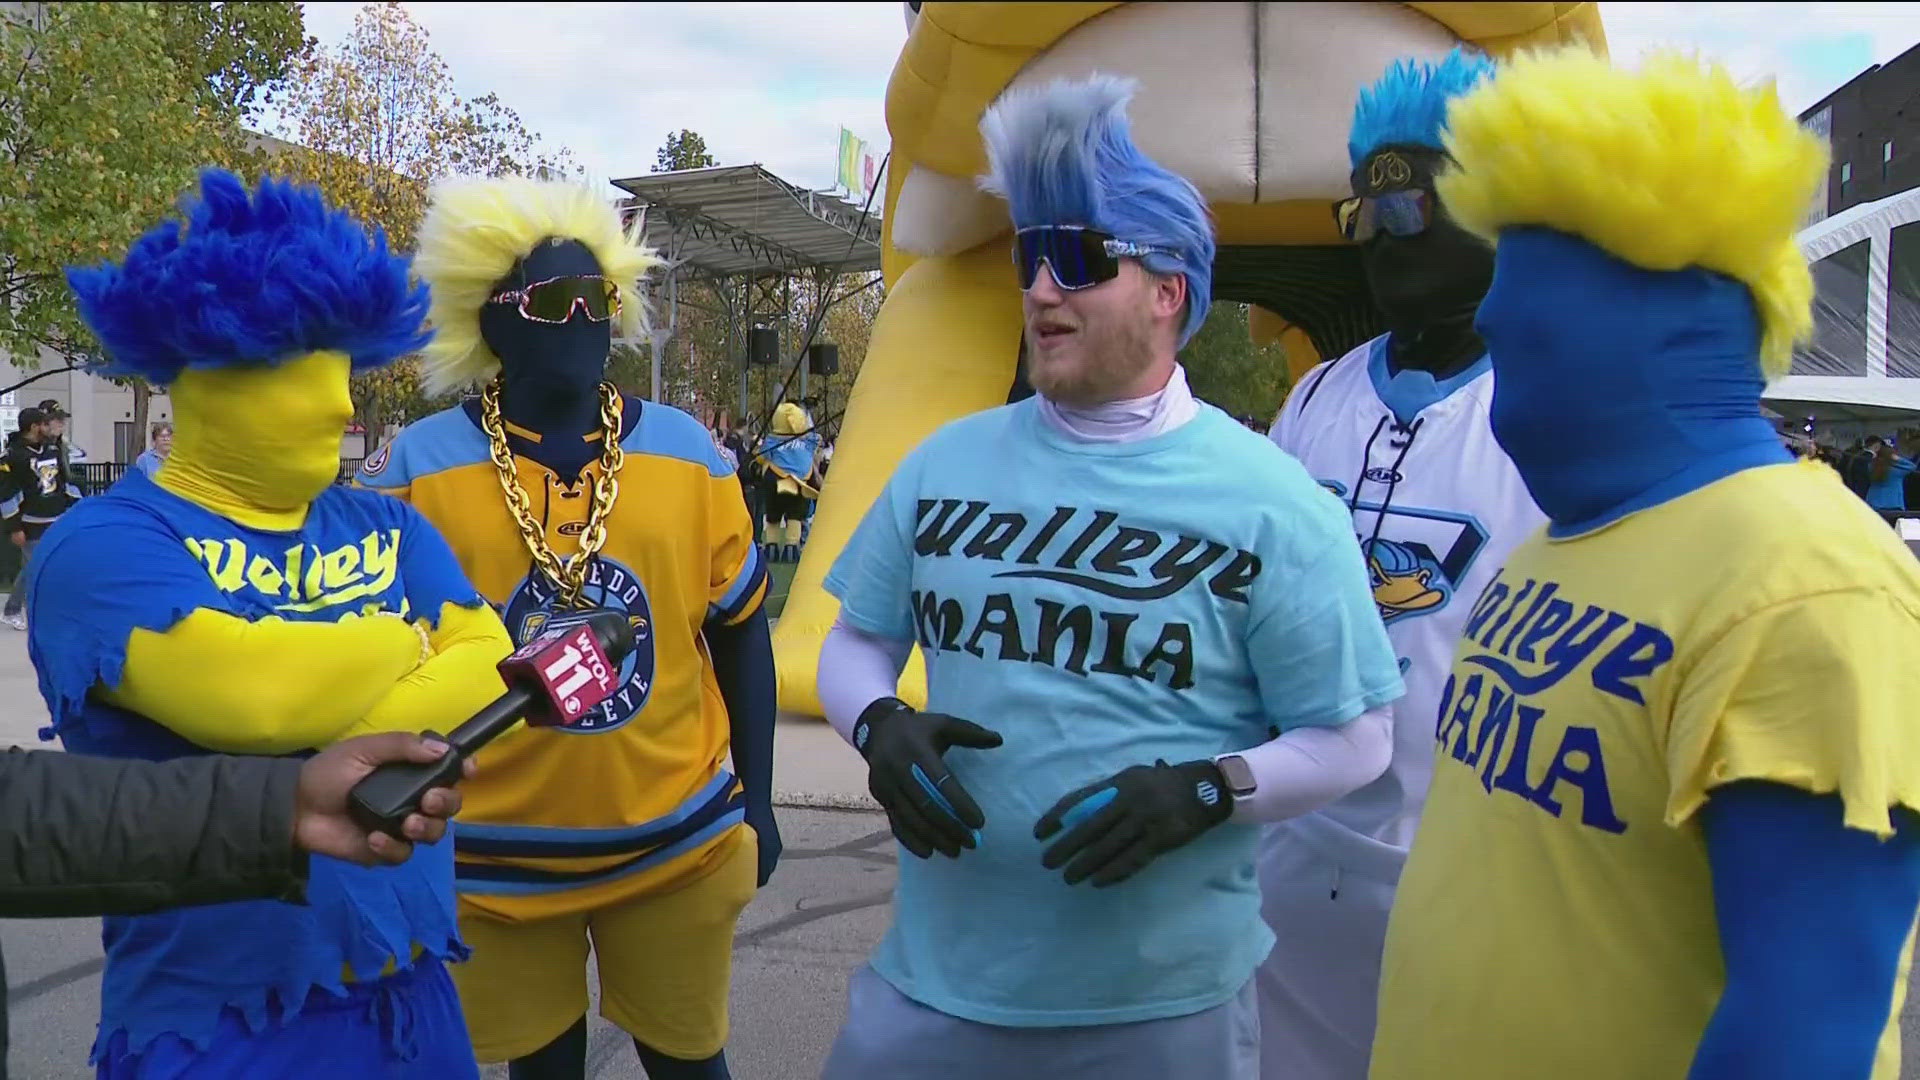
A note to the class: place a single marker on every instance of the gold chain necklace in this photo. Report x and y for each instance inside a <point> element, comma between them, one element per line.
<point>569,576</point>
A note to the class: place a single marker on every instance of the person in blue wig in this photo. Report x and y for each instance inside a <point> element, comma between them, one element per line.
<point>240,601</point>
<point>1161,621</point>
<point>1671,830</point>
<point>1398,429</point>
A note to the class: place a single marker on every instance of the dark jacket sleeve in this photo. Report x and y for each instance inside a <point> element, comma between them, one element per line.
<point>98,836</point>
<point>12,493</point>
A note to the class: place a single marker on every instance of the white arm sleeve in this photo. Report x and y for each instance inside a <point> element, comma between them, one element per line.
<point>857,669</point>
<point>1309,767</point>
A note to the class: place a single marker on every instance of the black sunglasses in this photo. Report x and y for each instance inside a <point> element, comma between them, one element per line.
<point>1408,212</point>
<point>556,299</point>
<point>1078,257</point>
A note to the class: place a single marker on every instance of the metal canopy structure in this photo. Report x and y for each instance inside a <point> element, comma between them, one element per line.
<point>747,233</point>
<point>741,219</point>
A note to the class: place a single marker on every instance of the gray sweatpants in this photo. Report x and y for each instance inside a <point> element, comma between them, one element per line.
<point>889,1035</point>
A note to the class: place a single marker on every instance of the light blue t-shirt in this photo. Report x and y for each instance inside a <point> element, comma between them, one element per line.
<point>1101,606</point>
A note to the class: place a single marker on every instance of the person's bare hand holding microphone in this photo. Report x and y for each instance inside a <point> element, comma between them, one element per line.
<point>321,822</point>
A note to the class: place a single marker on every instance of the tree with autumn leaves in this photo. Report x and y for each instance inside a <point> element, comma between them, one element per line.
<point>115,107</point>
<point>108,113</point>
<point>373,123</point>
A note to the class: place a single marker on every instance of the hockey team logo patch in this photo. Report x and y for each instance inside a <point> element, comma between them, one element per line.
<point>610,586</point>
<point>377,464</point>
<point>1417,558</point>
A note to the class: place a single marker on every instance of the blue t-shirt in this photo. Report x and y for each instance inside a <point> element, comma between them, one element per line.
<point>139,556</point>
<point>1891,493</point>
<point>1102,606</point>
<point>794,454</point>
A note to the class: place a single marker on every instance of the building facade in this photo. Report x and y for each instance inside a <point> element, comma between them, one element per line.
<point>1873,126</point>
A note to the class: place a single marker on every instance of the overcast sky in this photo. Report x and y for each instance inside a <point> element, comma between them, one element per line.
<point>774,82</point>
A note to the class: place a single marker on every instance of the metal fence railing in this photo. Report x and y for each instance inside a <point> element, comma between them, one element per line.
<point>98,476</point>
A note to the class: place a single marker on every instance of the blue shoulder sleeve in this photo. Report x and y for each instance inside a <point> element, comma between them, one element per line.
<point>1813,918</point>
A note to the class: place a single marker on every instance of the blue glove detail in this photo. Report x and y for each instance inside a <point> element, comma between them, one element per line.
<point>1088,807</point>
<point>933,792</point>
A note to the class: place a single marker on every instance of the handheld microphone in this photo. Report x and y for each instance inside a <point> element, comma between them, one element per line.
<point>554,678</point>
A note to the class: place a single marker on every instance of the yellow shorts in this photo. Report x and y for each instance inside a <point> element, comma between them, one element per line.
<point>665,962</point>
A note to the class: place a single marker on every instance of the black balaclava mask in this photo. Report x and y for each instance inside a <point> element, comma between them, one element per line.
<point>550,373</point>
<point>1428,285</point>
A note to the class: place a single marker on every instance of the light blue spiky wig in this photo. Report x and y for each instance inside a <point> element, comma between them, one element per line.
<point>1063,154</point>
<point>1407,106</point>
<point>249,279</point>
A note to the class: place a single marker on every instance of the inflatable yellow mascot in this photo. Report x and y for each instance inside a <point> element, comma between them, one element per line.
<point>1250,101</point>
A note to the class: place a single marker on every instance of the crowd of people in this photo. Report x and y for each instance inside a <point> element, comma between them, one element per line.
<point>1345,750</point>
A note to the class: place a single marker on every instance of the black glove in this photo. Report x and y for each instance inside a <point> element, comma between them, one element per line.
<point>925,804</point>
<point>1122,823</point>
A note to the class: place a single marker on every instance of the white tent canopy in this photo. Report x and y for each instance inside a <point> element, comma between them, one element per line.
<point>1863,365</point>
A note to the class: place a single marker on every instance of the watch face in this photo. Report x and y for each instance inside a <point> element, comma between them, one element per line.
<point>1238,774</point>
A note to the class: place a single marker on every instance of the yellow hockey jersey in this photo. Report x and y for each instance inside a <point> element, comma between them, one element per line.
<point>635,796</point>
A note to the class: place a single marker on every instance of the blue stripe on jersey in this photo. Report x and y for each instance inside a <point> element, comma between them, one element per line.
<point>524,881</point>
<point>742,591</point>
<point>665,431</point>
<point>445,440</point>
<point>539,841</point>
<point>1406,394</point>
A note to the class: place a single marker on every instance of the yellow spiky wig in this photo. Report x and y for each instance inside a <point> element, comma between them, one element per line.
<point>476,228</point>
<point>1668,167</point>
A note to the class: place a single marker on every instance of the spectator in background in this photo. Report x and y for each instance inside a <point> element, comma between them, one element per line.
<point>1887,471</point>
<point>37,489</point>
<point>57,427</point>
<point>750,474</point>
<point>160,445</point>
<point>1855,463</point>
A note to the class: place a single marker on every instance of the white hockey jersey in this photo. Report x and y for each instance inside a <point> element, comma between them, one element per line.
<point>1437,507</point>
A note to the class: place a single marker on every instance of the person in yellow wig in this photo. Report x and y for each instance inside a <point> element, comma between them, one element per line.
<point>789,456</point>
<point>563,497</point>
<point>241,601</point>
<point>1671,831</point>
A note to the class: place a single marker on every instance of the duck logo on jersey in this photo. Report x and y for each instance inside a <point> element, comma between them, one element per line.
<point>1418,558</point>
<point>610,586</point>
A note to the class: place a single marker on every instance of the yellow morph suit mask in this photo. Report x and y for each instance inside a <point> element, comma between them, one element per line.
<point>1251,102</point>
<point>258,444</point>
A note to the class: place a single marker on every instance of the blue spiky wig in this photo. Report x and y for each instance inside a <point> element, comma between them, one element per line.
<point>1063,154</point>
<point>255,278</point>
<point>1407,106</point>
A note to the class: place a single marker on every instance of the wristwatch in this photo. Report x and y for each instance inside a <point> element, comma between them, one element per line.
<point>1238,775</point>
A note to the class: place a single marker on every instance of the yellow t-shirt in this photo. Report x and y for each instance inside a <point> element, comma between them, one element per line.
<point>1556,916</point>
<point>634,798</point>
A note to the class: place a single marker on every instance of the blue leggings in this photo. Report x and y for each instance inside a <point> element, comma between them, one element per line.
<point>404,1026</point>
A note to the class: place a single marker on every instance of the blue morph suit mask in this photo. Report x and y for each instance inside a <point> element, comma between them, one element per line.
<point>1617,388</point>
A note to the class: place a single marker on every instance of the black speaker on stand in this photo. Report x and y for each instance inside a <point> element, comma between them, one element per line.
<point>763,346</point>
<point>823,358</point>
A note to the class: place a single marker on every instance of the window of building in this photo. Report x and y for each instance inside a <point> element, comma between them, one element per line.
<point>1886,160</point>
<point>1903,301</point>
<point>1846,177</point>
<point>1839,345</point>
<point>125,446</point>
